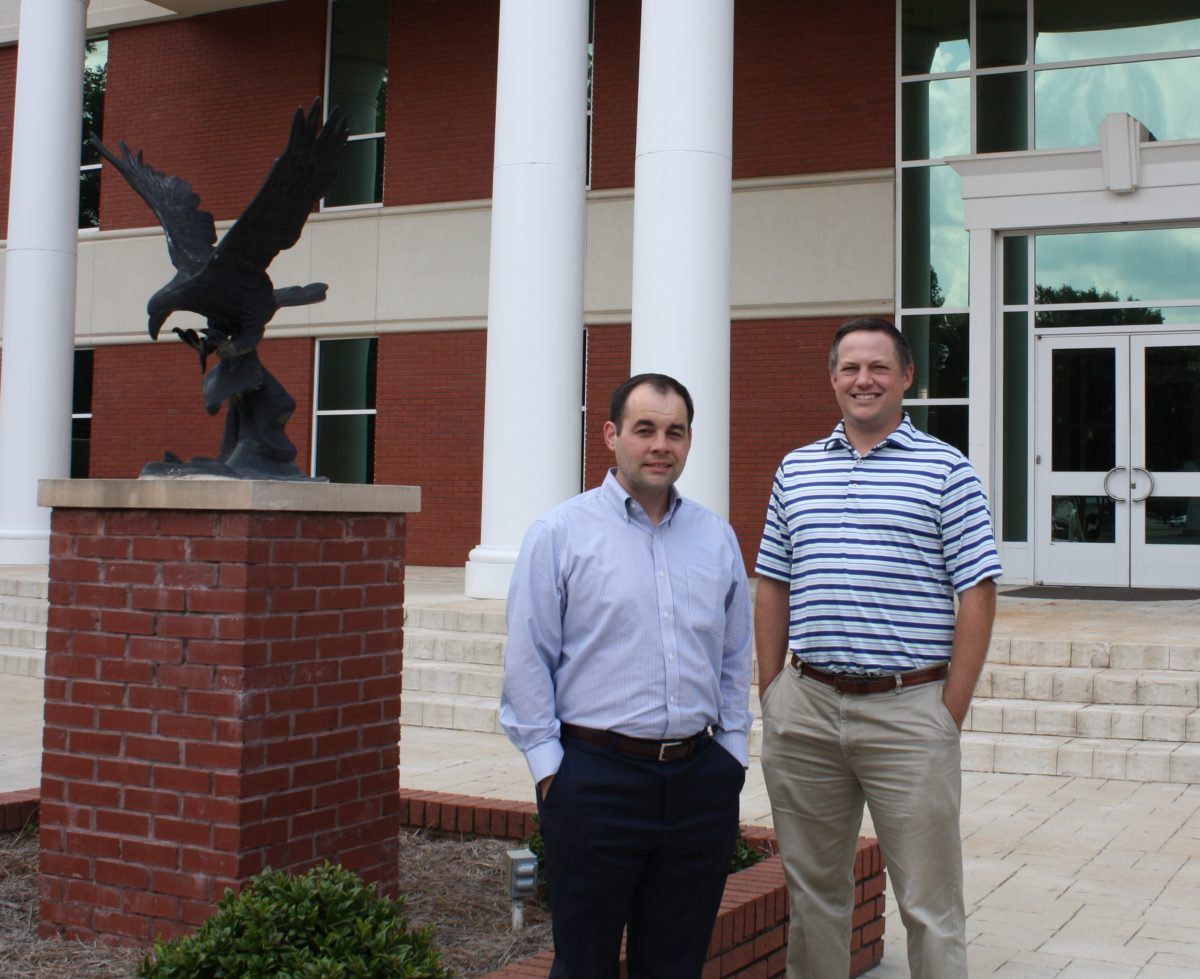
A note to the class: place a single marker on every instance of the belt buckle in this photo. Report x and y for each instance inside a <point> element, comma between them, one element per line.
<point>665,745</point>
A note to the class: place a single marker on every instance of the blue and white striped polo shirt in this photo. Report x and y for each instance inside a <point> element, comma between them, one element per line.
<point>875,546</point>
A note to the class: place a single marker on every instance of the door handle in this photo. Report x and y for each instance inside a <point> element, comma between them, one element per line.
<point>1107,477</point>
<point>1149,492</point>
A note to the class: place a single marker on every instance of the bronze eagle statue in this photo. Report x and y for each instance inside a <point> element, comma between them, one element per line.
<point>227,283</point>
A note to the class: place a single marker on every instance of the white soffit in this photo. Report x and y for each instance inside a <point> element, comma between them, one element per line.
<point>1060,188</point>
<point>105,14</point>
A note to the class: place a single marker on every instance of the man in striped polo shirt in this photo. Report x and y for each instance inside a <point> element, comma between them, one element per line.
<point>865,669</point>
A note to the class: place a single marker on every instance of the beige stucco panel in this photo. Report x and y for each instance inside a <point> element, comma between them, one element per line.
<point>433,266</point>
<point>800,248</point>
<point>813,246</point>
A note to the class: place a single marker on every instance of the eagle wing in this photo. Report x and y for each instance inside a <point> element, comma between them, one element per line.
<point>189,230</point>
<point>300,177</point>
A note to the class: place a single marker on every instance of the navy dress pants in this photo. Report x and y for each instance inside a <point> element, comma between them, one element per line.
<point>642,845</point>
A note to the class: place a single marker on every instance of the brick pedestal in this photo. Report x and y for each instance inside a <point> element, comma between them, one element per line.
<point>222,694</point>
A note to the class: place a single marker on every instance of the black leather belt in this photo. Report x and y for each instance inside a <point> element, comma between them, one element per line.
<point>849,683</point>
<point>641,747</point>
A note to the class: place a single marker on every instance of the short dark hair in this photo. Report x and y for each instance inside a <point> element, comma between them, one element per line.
<point>662,383</point>
<point>876,325</point>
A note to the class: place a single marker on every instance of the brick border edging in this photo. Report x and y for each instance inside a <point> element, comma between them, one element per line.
<point>18,809</point>
<point>750,937</point>
<point>751,931</point>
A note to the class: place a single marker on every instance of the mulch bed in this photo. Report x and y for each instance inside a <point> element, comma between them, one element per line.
<point>455,884</point>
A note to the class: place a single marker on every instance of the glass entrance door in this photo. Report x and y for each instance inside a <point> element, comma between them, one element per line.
<point>1117,460</point>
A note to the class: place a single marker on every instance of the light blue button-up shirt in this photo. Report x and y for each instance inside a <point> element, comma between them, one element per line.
<point>616,624</point>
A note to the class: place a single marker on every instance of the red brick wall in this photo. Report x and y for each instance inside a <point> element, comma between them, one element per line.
<point>222,695</point>
<point>441,100</point>
<point>429,433</point>
<point>8,88</point>
<point>617,33</point>
<point>146,400</point>
<point>210,99</point>
<point>813,87</point>
<point>779,399</point>
<point>607,366</point>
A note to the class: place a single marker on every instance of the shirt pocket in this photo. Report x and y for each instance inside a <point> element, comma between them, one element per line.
<point>706,598</point>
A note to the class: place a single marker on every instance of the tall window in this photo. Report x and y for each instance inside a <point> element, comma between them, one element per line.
<point>81,415</point>
<point>989,76</point>
<point>95,69</point>
<point>344,427</point>
<point>357,81</point>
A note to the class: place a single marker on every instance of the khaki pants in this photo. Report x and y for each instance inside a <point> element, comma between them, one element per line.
<point>824,754</point>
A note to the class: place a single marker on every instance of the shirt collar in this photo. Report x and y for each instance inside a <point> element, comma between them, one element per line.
<point>622,502</point>
<point>904,436</point>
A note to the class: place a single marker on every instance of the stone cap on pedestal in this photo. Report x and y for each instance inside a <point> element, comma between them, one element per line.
<point>227,494</point>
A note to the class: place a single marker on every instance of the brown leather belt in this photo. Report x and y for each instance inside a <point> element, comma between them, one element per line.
<point>848,683</point>
<point>641,747</point>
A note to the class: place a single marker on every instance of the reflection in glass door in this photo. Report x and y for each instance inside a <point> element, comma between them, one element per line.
<point>1117,494</point>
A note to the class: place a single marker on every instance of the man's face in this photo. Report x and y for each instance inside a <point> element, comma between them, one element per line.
<point>869,383</point>
<point>652,445</point>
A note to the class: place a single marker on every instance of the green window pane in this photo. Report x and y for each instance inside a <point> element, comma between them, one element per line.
<point>95,73</point>
<point>1083,519</point>
<point>940,355</point>
<point>934,36</point>
<point>935,246</point>
<point>346,375</point>
<point>1000,33</point>
<point>1160,94</point>
<point>89,198</point>
<point>1119,266</point>
<point>1003,119</point>
<point>81,446</point>
<point>1083,410</point>
<point>1173,520</point>
<point>946,422</point>
<point>346,448</point>
<point>1016,270</point>
<point>1071,30</point>
<point>1015,384</point>
<point>81,398</point>
<point>1172,414</point>
<point>359,178</point>
<point>358,40</point>
<point>937,119</point>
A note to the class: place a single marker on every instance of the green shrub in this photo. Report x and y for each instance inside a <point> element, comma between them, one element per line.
<point>327,924</point>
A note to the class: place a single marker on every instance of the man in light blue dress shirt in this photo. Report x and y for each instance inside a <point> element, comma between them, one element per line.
<point>626,686</point>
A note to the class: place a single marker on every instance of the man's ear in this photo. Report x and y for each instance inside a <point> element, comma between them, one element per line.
<point>908,376</point>
<point>610,436</point>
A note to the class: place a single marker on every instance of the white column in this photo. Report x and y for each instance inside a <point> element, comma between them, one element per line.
<point>532,447</point>
<point>39,283</point>
<point>681,221</point>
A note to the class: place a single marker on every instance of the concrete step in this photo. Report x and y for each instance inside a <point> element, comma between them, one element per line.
<point>457,712</point>
<point>1095,655</point>
<point>452,679</point>
<point>1079,685</point>
<point>22,662</point>
<point>454,646</point>
<point>17,608</point>
<point>22,635</point>
<point>465,616</point>
<point>1119,721</point>
<point>1112,758</point>
<point>24,582</point>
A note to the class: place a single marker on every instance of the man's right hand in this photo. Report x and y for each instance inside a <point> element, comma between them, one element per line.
<point>544,786</point>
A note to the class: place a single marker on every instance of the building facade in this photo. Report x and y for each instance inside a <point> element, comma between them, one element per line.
<point>1018,186</point>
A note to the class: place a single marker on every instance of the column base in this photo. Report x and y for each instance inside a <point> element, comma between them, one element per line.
<point>489,571</point>
<point>24,547</point>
